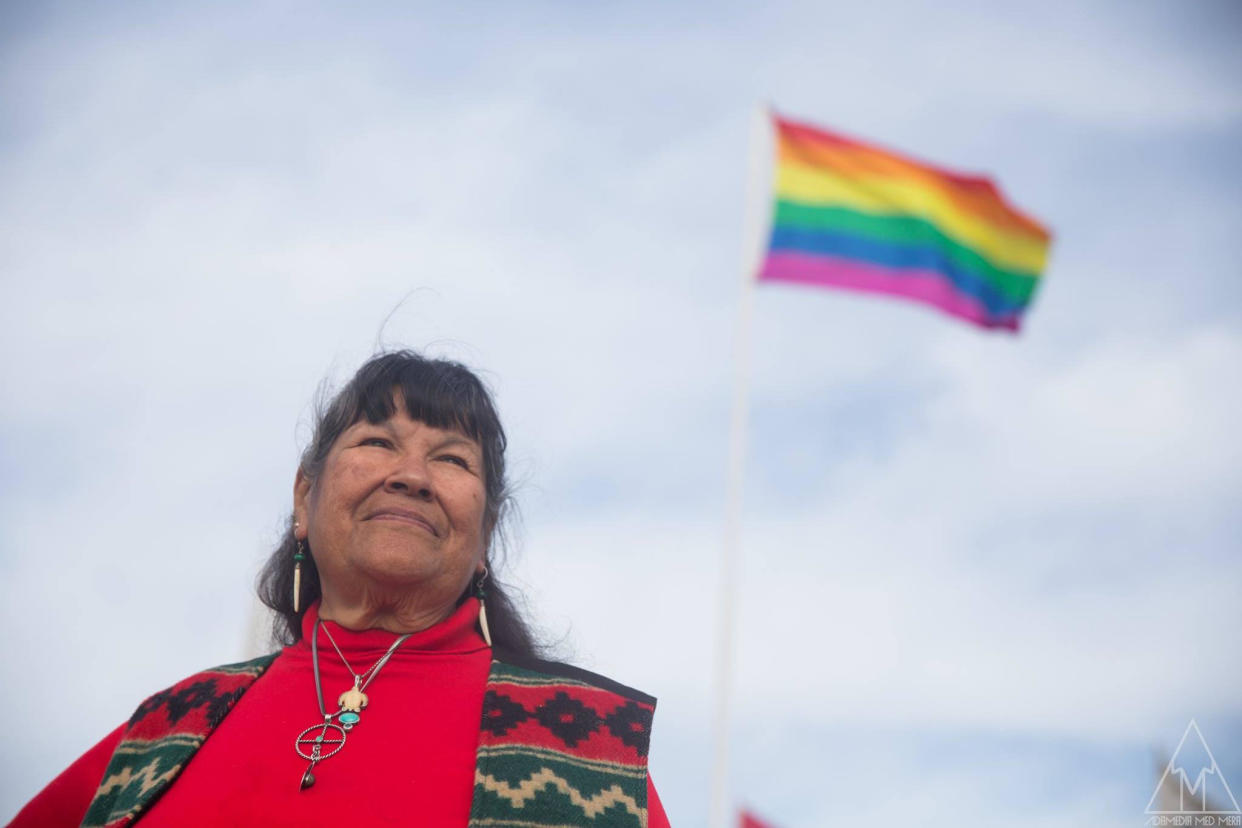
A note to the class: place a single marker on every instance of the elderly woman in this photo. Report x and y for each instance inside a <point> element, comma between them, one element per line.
<point>409,691</point>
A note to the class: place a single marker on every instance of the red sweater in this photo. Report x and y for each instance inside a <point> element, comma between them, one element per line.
<point>410,761</point>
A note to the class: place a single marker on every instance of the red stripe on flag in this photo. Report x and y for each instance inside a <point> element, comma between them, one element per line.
<point>745,819</point>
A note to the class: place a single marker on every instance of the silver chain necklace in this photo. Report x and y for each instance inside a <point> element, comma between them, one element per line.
<point>360,681</point>
<point>325,739</point>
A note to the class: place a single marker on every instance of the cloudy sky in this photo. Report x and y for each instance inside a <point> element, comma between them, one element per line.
<point>986,579</point>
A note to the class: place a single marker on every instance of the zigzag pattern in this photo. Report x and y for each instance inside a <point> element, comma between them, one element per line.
<point>165,731</point>
<point>134,775</point>
<point>146,777</point>
<point>526,790</point>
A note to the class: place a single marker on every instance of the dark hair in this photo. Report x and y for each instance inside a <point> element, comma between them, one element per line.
<point>442,394</point>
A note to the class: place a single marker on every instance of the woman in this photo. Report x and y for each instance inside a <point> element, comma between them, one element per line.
<point>410,691</point>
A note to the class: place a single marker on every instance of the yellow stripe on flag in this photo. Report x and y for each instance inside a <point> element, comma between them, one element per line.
<point>890,196</point>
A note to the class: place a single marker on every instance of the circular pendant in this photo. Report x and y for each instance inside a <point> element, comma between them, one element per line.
<point>326,742</point>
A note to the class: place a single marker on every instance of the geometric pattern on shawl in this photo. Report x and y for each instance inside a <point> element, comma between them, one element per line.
<point>162,735</point>
<point>559,746</point>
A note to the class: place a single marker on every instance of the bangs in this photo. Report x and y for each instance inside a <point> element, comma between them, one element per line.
<point>436,393</point>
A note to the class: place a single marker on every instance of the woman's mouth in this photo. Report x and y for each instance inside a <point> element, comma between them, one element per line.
<point>407,517</point>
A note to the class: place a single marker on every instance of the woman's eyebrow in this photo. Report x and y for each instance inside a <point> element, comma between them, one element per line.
<point>458,440</point>
<point>364,423</point>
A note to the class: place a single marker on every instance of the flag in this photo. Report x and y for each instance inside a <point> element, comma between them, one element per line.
<point>745,819</point>
<point>854,216</point>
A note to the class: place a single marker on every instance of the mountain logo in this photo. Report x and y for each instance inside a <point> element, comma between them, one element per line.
<point>1192,782</point>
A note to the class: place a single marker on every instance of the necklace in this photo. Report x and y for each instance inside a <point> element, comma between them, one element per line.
<point>325,739</point>
<point>353,701</point>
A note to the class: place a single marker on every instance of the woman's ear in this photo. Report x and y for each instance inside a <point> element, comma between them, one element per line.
<point>301,494</point>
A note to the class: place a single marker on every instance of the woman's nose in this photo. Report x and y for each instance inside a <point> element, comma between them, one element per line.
<point>410,478</point>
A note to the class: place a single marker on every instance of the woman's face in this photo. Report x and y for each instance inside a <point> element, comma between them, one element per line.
<point>398,508</point>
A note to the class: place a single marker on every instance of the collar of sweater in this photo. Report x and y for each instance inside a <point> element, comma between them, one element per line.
<point>457,634</point>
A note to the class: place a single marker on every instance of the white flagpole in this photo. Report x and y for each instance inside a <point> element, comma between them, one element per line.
<point>757,199</point>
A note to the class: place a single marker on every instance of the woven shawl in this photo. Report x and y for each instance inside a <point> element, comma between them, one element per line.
<point>558,746</point>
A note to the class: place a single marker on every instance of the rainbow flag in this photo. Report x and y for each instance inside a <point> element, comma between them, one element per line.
<point>854,216</point>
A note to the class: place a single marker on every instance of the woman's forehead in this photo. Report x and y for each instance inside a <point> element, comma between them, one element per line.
<point>400,418</point>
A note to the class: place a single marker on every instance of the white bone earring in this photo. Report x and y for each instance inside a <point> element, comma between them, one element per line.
<point>298,557</point>
<point>478,593</point>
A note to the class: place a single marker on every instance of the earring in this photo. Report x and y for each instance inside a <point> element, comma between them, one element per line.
<point>298,557</point>
<point>478,593</point>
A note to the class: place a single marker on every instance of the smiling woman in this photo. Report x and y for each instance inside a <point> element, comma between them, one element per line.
<point>399,514</point>
<point>441,711</point>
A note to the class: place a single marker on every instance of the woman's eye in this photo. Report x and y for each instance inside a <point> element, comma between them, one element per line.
<point>453,458</point>
<point>375,441</point>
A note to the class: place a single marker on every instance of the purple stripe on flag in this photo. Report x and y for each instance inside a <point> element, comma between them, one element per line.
<point>928,286</point>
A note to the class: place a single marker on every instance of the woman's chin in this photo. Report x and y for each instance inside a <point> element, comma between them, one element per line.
<point>398,567</point>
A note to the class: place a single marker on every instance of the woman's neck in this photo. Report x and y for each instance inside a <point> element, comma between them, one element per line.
<point>368,610</point>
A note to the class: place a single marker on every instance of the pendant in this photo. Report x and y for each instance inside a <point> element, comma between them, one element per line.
<point>352,702</point>
<point>316,743</point>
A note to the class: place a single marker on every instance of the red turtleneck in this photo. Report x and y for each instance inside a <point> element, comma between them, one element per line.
<point>409,761</point>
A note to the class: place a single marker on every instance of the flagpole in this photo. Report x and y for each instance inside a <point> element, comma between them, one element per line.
<point>753,225</point>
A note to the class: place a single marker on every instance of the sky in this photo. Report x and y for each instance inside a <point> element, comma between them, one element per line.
<point>985,578</point>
